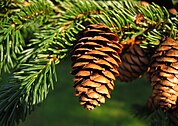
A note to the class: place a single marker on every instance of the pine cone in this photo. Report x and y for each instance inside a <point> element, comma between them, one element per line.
<point>135,62</point>
<point>164,75</point>
<point>96,58</point>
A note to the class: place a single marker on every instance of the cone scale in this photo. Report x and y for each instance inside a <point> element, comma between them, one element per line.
<point>95,61</point>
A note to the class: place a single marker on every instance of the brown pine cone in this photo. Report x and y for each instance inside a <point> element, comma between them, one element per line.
<point>164,75</point>
<point>95,62</point>
<point>134,64</point>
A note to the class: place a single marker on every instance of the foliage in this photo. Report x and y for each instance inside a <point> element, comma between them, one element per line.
<point>36,35</point>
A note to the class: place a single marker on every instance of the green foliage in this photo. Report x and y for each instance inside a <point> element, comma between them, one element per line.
<point>121,17</point>
<point>13,22</point>
<point>159,118</point>
<point>34,76</point>
<point>36,35</point>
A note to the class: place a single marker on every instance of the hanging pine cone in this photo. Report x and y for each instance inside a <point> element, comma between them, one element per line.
<point>164,76</point>
<point>95,62</point>
<point>135,62</point>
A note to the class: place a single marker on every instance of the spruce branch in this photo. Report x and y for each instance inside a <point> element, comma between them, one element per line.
<point>159,118</point>
<point>28,86</point>
<point>14,23</point>
<point>25,90</point>
<point>123,18</point>
<point>155,22</point>
<point>32,80</point>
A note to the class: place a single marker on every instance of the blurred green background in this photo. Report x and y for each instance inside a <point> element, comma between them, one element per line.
<point>62,108</point>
